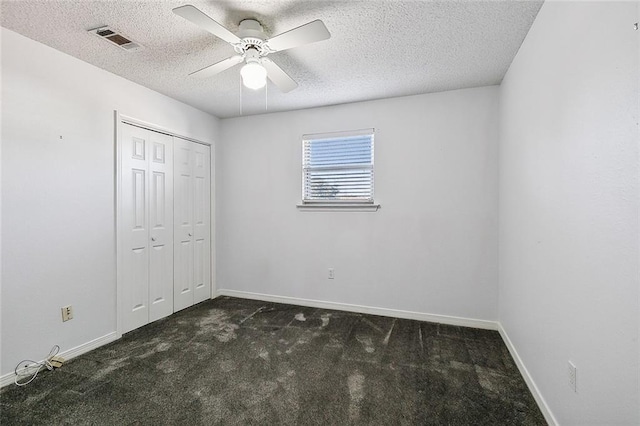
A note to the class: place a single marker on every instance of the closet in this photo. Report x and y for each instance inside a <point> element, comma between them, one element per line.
<point>164,225</point>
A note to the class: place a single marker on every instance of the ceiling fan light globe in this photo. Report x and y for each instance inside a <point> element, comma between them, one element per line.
<point>254,76</point>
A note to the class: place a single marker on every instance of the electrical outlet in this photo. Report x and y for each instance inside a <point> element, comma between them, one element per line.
<point>67,313</point>
<point>332,274</point>
<point>572,377</point>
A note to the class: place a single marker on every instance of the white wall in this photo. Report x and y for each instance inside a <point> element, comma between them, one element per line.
<point>58,210</point>
<point>569,209</point>
<point>431,248</point>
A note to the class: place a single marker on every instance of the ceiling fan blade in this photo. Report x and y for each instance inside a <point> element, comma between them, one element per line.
<point>218,67</point>
<point>305,34</point>
<point>195,15</point>
<point>278,76</point>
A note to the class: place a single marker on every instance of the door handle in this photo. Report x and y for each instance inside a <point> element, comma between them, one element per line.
<point>190,234</point>
<point>153,238</point>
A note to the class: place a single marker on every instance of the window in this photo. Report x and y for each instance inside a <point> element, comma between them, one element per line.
<point>337,168</point>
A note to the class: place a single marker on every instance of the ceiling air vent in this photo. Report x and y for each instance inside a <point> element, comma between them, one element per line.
<point>115,37</point>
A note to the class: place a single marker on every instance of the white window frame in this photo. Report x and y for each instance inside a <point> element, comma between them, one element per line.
<point>338,204</point>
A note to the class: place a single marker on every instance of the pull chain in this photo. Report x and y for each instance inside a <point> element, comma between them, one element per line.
<point>240,100</point>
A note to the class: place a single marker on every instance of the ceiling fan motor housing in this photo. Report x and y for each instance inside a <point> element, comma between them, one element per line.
<point>253,37</point>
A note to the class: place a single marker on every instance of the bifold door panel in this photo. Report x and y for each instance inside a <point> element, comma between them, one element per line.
<point>192,241</point>
<point>146,226</point>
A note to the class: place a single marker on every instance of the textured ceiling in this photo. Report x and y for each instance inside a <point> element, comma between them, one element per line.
<point>378,49</point>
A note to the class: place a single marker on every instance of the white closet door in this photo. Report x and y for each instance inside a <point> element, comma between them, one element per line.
<point>135,228</point>
<point>183,225</point>
<point>202,222</point>
<point>192,246</point>
<point>146,231</point>
<point>161,226</point>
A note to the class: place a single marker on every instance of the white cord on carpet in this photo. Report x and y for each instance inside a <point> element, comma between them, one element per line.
<point>30,365</point>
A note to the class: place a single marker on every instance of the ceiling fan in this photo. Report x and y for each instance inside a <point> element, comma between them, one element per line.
<point>252,47</point>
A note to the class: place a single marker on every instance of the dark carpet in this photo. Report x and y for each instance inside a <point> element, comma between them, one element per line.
<point>241,362</point>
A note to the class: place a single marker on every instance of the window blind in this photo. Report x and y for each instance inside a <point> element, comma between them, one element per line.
<point>338,167</point>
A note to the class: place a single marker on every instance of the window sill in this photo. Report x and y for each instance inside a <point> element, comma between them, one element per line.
<point>339,207</point>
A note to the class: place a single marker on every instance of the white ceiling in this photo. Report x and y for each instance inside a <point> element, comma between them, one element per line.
<point>378,49</point>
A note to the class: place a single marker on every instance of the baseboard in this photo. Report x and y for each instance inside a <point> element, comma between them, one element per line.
<point>443,319</point>
<point>542,404</point>
<point>8,378</point>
